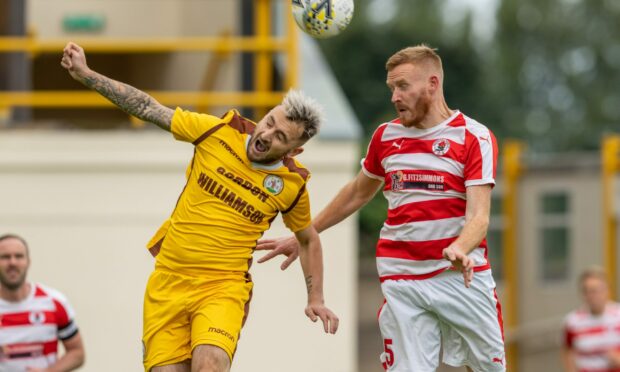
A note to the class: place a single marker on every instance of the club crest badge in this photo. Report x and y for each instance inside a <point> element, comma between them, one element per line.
<point>36,317</point>
<point>274,184</point>
<point>441,146</point>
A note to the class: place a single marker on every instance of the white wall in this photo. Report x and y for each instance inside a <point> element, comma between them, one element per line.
<point>88,202</point>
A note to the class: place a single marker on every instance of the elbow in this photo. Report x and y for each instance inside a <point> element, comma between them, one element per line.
<point>80,358</point>
<point>484,222</point>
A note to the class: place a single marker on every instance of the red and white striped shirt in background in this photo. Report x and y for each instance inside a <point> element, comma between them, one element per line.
<point>426,172</point>
<point>30,329</point>
<point>591,337</point>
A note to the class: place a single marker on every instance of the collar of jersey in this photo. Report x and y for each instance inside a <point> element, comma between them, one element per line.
<point>29,297</point>
<point>262,166</point>
<point>440,125</point>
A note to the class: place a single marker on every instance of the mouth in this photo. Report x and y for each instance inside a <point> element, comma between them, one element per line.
<point>260,146</point>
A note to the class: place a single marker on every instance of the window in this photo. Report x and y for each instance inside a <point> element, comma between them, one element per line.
<point>554,236</point>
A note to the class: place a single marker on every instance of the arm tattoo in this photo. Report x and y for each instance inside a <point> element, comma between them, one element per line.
<point>309,283</point>
<point>131,100</point>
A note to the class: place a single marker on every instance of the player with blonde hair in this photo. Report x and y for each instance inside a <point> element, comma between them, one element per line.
<point>241,177</point>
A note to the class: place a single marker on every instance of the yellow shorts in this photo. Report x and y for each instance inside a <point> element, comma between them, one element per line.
<point>182,312</point>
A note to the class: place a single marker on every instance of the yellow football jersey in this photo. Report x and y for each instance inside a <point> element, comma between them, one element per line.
<point>228,202</point>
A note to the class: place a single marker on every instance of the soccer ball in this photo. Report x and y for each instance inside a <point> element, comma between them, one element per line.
<point>322,18</point>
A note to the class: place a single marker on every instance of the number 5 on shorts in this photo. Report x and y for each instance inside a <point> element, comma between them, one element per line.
<point>388,354</point>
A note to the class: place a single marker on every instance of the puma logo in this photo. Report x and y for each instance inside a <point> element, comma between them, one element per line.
<point>498,360</point>
<point>397,145</point>
<point>485,138</point>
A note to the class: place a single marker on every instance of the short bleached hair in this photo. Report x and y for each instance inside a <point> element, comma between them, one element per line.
<point>303,110</point>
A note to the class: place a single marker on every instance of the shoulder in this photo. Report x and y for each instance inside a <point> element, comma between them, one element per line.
<point>575,317</point>
<point>613,309</point>
<point>42,290</point>
<point>239,123</point>
<point>294,167</point>
<point>389,129</point>
<point>475,127</point>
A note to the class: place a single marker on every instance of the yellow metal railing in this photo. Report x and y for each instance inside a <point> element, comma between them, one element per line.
<point>610,159</point>
<point>263,44</point>
<point>512,163</point>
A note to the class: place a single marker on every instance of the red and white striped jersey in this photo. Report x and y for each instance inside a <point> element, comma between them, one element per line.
<point>30,329</point>
<point>591,337</point>
<point>426,173</point>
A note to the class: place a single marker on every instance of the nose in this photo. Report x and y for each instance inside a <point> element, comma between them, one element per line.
<point>268,134</point>
<point>395,96</point>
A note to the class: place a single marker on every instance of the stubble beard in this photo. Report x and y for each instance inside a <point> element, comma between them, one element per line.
<point>421,109</point>
<point>13,285</point>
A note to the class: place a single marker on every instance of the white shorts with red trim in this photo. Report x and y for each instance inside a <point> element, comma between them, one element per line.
<point>420,316</point>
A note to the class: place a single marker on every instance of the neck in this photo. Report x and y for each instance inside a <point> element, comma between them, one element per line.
<point>598,311</point>
<point>438,112</point>
<point>16,295</point>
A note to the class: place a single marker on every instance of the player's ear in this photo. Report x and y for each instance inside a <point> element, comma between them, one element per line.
<point>294,152</point>
<point>434,83</point>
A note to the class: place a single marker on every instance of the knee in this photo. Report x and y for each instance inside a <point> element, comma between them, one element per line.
<point>208,358</point>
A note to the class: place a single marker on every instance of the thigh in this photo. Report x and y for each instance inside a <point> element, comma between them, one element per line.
<point>210,358</point>
<point>218,312</point>
<point>411,334</point>
<point>471,321</point>
<point>166,326</point>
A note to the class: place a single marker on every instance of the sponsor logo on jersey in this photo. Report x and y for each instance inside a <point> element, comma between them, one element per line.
<point>274,184</point>
<point>397,181</point>
<point>255,190</point>
<point>441,146</point>
<point>417,181</point>
<point>228,197</point>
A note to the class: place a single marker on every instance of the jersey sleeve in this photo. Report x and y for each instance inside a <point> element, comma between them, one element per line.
<point>189,126</point>
<point>371,164</point>
<point>297,217</point>
<point>480,158</point>
<point>65,316</point>
<point>569,335</point>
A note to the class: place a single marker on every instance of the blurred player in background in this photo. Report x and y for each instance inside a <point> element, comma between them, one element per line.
<point>592,332</point>
<point>33,317</point>
<point>436,167</point>
<point>241,176</point>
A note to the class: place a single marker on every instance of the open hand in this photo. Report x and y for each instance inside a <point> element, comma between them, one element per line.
<point>461,262</point>
<point>320,311</point>
<point>285,246</point>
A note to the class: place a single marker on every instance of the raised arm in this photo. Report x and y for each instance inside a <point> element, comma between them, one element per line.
<point>311,257</point>
<point>349,199</point>
<point>129,99</point>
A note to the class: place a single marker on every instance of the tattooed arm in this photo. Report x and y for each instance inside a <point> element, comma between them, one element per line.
<point>310,255</point>
<point>129,99</point>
